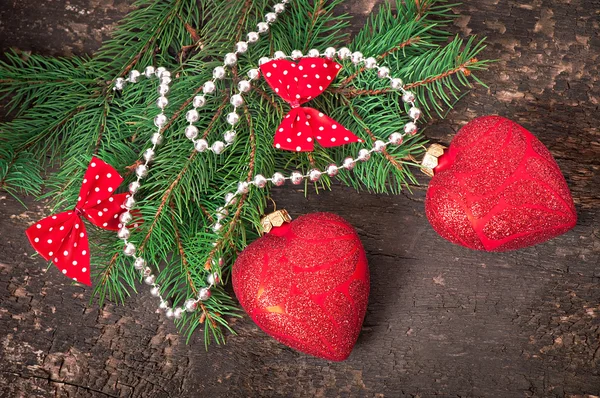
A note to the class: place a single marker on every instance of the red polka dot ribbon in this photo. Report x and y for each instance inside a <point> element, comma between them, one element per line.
<point>298,83</point>
<point>62,237</point>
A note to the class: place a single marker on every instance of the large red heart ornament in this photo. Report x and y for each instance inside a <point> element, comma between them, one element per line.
<point>306,284</point>
<point>498,188</point>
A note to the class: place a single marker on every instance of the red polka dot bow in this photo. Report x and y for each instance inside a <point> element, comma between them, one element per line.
<point>298,83</point>
<point>62,237</point>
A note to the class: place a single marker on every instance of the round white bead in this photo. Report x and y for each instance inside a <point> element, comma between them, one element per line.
<point>129,249</point>
<point>163,89</point>
<point>244,86</point>
<point>364,155</point>
<point>219,72</point>
<point>190,305</point>
<point>396,83</point>
<point>199,101</point>
<point>279,8</point>
<point>141,170</point>
<point>330,52</point>
<point>230,199</point>
<point>217,226</point>
<point>204,294</point>
<point>408,96</point>
<point>162,102</point>
<point>410,128</point>
<point>150,279</point>
<point>260,181</point>
<point>134,75</point>
<point>332,170</point>
<point>191,132</point>
<point>129,203</point>
<point>241,47</point>
<point>123,233</point>
<point>262,27</point>
<point>263,60</point>
<point>165,73</point>
<point>148,155</point>
<point>279,55</point>
<point>133,188</point>
<point>149,71</point>
<point>125,217</point>
<point>213,278</point>
<point>357,57</point>
<point>159,71</point>
<point>221,213</point>
<point>344,53</point>
<point>378,146</point>
<point>314,175</point>
<point>119,84</point>
<point>160,120</point>
<point>169,313</point>
<point>201,145</point>
<point>208,87</point>
<point>229,136</point>
<point>296,54</point>
<point>236,100</point>
<point>348,163</point>
<point>146,271</point>
<point>156,139</point>
<point>233,118</point>
<point>313,53</point>
<point>155,291</point>
<point>217,147</point>
<point>271,17</point>
<point>177,313</point>
<point>165,79</point>
<point>254,73</point>
<point>370,63</point>
<point>192,116</point>
<point>252,37</point>
<point>139,263</point>
<point>230,59</point>
<point>164,304</point>
<point>242,188</point>
<point>396,138</point>
<point>296,177</point>
<point>278,179</point>
<point>383,72</point>
<point>414,113</point>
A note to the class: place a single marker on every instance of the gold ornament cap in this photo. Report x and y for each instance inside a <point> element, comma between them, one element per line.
<point>430,160</point>
<point>275,219</point>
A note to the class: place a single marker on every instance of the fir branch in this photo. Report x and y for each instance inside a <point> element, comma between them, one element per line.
<point>184,262</point>
<point>66,111</point>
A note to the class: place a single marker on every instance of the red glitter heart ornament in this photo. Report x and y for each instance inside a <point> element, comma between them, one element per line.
<point>498,188</point>
<point>306,284</point>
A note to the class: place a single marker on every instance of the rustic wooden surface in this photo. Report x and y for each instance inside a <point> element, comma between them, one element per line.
<point>443,321</point>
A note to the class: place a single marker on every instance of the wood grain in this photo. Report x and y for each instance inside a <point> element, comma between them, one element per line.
<point>442,321</point>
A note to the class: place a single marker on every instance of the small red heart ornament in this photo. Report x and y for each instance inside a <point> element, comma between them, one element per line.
<point>306,284</point>
<point>498,188</point>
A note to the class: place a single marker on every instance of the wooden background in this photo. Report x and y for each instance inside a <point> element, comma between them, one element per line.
<point>442,321</point>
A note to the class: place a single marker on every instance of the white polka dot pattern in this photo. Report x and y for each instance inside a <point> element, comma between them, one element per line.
<point>65,233</point>
<point>298,83</point>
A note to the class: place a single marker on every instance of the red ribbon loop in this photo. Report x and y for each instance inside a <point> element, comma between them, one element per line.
<point>298,83</point>
<point>62,237</point>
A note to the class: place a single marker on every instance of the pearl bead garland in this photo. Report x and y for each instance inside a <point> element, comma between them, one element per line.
<point>201,145</point>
